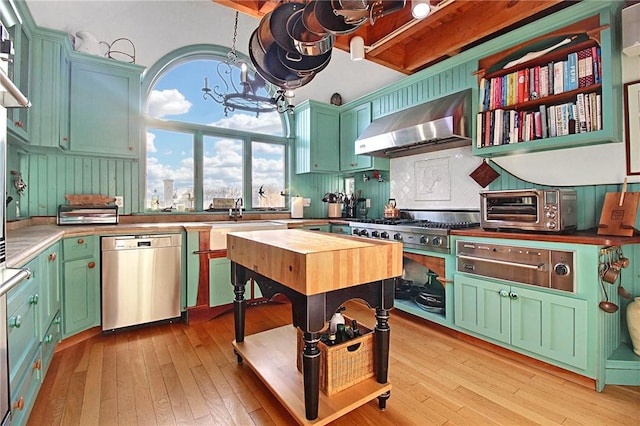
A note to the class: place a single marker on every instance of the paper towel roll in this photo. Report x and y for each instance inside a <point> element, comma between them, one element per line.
<point>296,207</point>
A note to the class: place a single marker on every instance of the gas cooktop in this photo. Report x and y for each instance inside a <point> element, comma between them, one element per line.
<point>424,230</point>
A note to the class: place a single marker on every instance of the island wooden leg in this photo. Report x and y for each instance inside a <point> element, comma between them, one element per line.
<point>239,280</point>
<point>381,336</point>
<point>311,374</point>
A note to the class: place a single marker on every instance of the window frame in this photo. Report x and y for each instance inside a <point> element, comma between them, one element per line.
<point>211,52</point>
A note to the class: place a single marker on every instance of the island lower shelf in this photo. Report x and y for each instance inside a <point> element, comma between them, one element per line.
<point>271,355</point>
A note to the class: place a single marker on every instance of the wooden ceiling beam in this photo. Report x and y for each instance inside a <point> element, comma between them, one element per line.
<point>445,33</point>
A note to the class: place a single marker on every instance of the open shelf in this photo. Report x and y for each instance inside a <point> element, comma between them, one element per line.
<point>272,356</point>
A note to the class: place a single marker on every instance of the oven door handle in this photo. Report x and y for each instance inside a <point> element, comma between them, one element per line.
<point>21,275</point>
<point>538,267</point>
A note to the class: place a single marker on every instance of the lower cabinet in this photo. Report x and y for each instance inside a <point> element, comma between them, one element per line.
<point>220,287</point>
<point>33,325</point>
<point>542,323</point>
<point>340,229</point>
<point>81,290</point>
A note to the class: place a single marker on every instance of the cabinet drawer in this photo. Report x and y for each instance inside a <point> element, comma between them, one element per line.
<point>51,338</point>
<point>78,247</point>
<point>25,391</point>
<point>22,335</point>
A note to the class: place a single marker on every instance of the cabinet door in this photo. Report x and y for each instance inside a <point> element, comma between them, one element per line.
<point>220,287</point>
<point>352,123</point>
<point>317,138</point>
<point>47,91</point>
<point>22,327</point>
<point>81,296</point>
<point>482,306</point>
<point>550,325</point>
<point>19,69</point>
<point>49,303</point>
<point>104,109</point>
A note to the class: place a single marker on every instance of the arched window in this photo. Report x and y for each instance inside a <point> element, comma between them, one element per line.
<point>199,151</point>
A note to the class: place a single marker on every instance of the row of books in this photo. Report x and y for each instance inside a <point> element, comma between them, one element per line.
<point>582,68</point>
<point>500,126</point>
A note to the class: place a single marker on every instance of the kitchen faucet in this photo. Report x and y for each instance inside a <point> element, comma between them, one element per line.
<point>236,212</point>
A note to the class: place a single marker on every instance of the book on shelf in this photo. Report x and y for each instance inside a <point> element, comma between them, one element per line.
<point>599,111</point>
<point>572,81</point>
<point>558,77</point>
<point>551,114</point>
<point>582,118</point>
<point>544,81</point>
<point>544,124</point>
<point>597,71</point>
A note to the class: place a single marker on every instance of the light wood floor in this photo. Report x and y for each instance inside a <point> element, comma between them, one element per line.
<point>181,374</point>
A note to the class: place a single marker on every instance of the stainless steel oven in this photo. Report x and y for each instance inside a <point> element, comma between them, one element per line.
<point>527,265</point>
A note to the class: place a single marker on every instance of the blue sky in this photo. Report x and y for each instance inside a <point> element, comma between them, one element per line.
<point>178,96</point>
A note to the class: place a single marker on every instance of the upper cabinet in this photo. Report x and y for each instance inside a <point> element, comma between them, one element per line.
<point>49,89</point>
<point>352,123</point>
<point>558,90</point>
<point>105,106</point>
<point>317,137</point>
<point>19,70</point>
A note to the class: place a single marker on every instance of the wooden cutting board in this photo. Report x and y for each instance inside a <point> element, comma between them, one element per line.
<point>617,219</point>
<point>315,262</point>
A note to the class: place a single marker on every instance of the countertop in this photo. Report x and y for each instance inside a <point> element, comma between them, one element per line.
<point>590,237</point>
<point>29,238</point>
<point>315,262</point>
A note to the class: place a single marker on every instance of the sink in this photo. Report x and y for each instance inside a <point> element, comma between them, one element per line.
<point>219,230</point>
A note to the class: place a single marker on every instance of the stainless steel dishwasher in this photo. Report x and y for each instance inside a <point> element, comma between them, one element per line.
<point>141,277</point>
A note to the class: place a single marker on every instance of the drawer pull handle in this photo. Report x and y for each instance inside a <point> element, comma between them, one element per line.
<point>37,365</point>
<point>58,320</point>
<point>19,404</point>
<point>92,265</point>
<point>503,293</point>
<point>33,299</point>
<point>15,322</point>
<point>80,241</point>
<point>48,338</point>
<point>53,256</point>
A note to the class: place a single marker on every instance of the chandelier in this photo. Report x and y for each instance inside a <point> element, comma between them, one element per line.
<point>243,95</point>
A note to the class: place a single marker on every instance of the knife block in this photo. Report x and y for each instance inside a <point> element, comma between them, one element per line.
<point>619,218</point>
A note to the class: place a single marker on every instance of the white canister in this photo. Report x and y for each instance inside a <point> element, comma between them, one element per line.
<point>335,210</point>
<point>297,208</point>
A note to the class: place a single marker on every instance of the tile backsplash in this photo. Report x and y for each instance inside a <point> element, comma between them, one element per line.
<point>435,180</point>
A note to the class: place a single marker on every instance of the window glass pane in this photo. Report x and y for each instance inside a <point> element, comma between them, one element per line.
<point>223,169</point>
<point>177,95</point>
<point>267,175</point>
<point>169,169</point>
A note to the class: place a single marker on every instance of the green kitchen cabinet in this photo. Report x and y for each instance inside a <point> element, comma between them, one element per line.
<point>81,284</point>
<point>22,322</point>
<point>49,89</point>
<point>321,228</point>
<point>340,229</point>
<point>317,137</point>
<point>105,106</point>
<point>220,286</point>
<point>49,289</point>
<point>352,123</point>
<point>542,323</point>
<point>193,269</point>
<point>18,119</point>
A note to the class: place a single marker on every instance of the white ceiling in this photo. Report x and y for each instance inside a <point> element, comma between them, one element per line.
<point>157,27</point>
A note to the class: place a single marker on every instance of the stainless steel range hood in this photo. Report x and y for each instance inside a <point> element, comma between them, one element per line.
<point>439,124</point>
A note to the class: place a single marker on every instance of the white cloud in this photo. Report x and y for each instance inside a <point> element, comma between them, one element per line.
<point>167,102</point>
<point>151,147</point>
<point>270,124</point>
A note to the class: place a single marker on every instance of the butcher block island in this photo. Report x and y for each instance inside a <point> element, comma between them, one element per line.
<point>317,272</point>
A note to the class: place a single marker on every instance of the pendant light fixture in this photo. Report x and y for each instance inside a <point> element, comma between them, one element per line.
<point>242,95</point>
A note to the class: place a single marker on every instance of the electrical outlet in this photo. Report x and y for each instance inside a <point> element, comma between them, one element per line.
<point>119,201</point>
<point>306,202</point>
<point>367,203</point>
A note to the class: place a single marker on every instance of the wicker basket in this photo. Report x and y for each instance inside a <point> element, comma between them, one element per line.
<point>345,364</point>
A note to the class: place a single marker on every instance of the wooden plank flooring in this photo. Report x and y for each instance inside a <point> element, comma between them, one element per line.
<point>187,374</point>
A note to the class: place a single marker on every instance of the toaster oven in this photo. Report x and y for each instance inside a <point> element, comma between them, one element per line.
<point>548,210</point>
